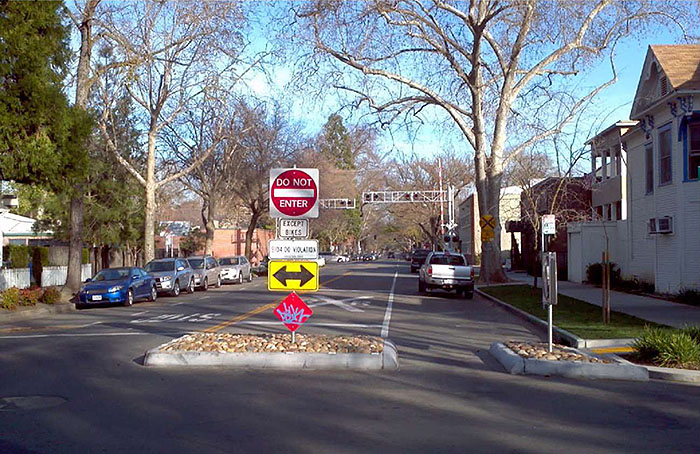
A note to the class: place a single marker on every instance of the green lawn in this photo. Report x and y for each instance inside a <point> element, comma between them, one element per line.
<point>576,316</point>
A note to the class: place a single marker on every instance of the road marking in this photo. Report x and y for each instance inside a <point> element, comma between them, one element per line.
<point>42,328</point>
<point>177,304</point>
<point>234,320</point>
<point>389,305</point>
<point>36,336</point>
<point>139,313</point>
<point>194,318</point>
<point>204,297</point>
<point>343,304</point>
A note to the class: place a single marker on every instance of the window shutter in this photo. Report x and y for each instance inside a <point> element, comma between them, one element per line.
<point>664,86</point>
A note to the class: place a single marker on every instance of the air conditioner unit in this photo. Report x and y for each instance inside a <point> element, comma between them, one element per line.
<point>661,225</point>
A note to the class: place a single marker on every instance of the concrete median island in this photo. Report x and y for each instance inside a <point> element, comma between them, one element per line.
<point>276,351</point>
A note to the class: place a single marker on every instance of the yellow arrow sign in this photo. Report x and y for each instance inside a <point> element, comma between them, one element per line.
<point>285,276</point>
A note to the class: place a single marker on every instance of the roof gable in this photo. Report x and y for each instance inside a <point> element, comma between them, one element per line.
<point>666,69</point>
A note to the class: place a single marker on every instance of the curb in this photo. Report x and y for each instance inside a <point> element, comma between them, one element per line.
<point>37,311</point>
<point>561,335</point>
<point>517,365</point>
<point>666,373</point>
<point>388,359</point>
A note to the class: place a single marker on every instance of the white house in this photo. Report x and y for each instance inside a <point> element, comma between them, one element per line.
<point>655,236</point>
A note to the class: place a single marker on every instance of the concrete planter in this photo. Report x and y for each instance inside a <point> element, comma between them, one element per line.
<point>387,359</point>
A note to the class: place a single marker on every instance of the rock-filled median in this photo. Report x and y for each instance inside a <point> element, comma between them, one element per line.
<point>275,351</point>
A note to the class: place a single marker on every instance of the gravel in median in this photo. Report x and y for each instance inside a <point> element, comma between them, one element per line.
<point>274,343</point>
<point>559,352</point>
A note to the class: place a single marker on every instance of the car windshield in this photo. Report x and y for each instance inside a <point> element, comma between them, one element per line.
<point>456,260</point>
<point>154,267</point>
<point>196,263</point>
<point>229,261</point>
<point>112,274</point>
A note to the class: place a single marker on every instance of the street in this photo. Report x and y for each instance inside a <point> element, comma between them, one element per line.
<point>449,395</point>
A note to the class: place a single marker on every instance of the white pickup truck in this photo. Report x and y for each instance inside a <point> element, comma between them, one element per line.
<point>447,271</point>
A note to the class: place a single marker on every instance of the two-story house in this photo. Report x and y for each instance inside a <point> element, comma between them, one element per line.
<point>646,190</point>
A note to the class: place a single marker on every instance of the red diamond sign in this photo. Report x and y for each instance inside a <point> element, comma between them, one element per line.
<point>293,312</point>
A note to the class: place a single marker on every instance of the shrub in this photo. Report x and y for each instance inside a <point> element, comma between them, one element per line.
<point>51,295</point>
<point>689,296</point>
<point>594,274</point>
<point>10,298</point>
<point>19,256</point>
<point>29,296</point>
<point>694,332</point>
<point>668,348</point>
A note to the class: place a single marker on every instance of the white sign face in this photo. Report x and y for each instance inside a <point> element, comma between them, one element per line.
<point>293,249</point>
<point>294,228</point>
<point>549,225</point>
<point>294,193</point>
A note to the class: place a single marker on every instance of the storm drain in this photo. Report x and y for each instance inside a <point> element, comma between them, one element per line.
<point>23,403</point>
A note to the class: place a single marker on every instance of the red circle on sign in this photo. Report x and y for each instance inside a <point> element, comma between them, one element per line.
<point>294,193</point>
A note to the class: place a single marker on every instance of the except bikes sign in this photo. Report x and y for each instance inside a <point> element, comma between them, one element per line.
<point>294,193</point>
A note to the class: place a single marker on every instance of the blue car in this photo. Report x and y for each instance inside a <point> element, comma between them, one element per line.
<point>118,285</point>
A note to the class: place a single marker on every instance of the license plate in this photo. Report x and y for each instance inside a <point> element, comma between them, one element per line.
<point>448,281</point>
<point>97,297</point>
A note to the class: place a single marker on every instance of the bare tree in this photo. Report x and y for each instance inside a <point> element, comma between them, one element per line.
<point>191,46</point>
<point>268,141</point>
<point>495,68</point>
<point>212,180</point>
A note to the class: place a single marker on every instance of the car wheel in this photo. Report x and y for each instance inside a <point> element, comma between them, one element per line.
<point>421,286</point>
<point>176,288</point>
<point>218,281</point>
<point>205,285</point>
<point>129,298</point>
<point>190,288</point>
<point>250,276</point>
<point>154,294</point>
<point>240,278</point>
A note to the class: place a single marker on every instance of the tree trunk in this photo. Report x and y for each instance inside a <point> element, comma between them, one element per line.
<point>105,256</point>
<point>77,204</point>
<point>150,215</point>
<point>249,234</point>
<point>489,203</point>
<point>209,224</point>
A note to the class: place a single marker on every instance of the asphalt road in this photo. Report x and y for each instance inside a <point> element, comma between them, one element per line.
<point>74,383</point>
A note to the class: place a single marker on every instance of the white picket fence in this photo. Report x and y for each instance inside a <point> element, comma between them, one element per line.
<point>50,275</point>
<point>14,277</point>
<point>56,275</point>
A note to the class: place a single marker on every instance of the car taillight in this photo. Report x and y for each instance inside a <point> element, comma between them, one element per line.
<point>430,270</point>
<point>471,272</point>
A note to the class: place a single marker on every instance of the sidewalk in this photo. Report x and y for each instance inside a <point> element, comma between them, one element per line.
<point>656,310</point>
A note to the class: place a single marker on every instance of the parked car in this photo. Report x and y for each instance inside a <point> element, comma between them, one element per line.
<point>446,271</point>
<point>418,258</point>
<point>118,285</point>
<point>235,269</point>
<point>171,275</point>
<point>206,271</point>
<point>333,257</point>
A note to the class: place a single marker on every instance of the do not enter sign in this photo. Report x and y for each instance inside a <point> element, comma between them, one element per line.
<point>294,193</point>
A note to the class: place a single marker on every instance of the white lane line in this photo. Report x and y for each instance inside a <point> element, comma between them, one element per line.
<point>177,304</point>
<point>139,313</point>
<point>204,297</point>
<point>389,305</point>
<point>35,336</point>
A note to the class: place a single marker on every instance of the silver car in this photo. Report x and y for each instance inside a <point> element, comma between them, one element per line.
<point>171,275</point>
<point>206,271</point>
<point>235,269</point>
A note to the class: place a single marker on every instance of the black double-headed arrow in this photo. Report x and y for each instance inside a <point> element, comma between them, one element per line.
<point>303,275</point>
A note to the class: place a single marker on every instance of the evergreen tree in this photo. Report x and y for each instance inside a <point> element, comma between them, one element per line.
<point>336,144</point>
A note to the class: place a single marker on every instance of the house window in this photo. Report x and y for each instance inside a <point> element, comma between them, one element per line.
<point>693,150</point>
<point>665,173</point>
<point>618,210</point>
<point>649,160</point>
